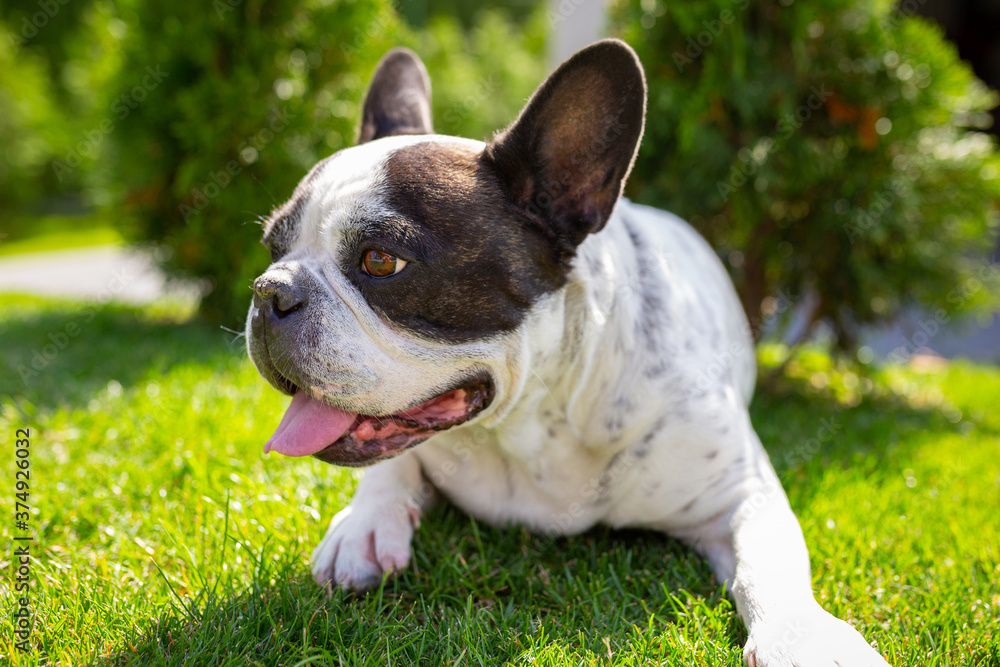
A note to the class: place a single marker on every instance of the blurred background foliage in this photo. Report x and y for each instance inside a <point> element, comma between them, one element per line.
<point>187,122</point>
<point>830,150</point>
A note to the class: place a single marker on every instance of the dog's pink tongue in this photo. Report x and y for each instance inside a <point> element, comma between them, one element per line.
<point>308,427</point>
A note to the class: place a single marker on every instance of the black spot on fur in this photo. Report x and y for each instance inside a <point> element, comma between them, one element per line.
<point>624,405</point>
<point>655,370</point>
<point>646,443</point>
<point>619,464</point>
<point>653,317</point>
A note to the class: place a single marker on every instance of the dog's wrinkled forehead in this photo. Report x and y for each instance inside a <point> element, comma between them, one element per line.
<point>336,193</point>
<point>473,265</point>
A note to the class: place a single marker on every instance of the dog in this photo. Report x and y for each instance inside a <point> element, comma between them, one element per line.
<point>494,323</point>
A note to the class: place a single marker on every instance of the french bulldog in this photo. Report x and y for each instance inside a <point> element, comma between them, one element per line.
<point>494,322</point>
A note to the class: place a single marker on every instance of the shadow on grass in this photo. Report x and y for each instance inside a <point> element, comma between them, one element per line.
<point>480,595</point>
<point>59,354</point>
<point>805,430</point>
<point>490,595</point>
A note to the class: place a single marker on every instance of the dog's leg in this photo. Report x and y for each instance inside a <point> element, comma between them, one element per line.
<point>757,548</point>
<point>372,534</point>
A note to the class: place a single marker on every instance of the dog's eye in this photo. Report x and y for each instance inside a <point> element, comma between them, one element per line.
<point>380,264</point>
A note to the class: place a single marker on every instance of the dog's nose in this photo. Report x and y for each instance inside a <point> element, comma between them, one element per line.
<point>281,297</point>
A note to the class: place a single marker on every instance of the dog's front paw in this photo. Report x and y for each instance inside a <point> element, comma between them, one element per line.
<point>362,543</point>
<point>811,639</point>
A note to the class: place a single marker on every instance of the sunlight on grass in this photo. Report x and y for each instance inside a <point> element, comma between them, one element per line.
<point>61,239</point>
<point>163,533</point>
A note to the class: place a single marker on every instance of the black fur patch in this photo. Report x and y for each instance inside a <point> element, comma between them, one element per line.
<point>653,314</point>
<point>642,449</point>
<point>475,265</point>
<point>398,99</point>
<point>565,159</point>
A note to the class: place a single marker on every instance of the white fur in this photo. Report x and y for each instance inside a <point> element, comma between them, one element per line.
<point>581,430</point>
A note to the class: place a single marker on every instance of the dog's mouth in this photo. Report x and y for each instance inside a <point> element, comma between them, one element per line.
<point>312,427</point>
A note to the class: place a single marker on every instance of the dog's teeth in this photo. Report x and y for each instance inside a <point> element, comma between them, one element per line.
<point>316,392</point>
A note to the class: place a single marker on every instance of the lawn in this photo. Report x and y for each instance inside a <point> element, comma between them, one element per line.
<point>165,537</point>
<point>57,233</point>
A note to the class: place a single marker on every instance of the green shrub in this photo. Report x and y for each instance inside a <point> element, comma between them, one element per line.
<point>30,127</point>
<point>222,108</point>
<point>227,106</point>
<point>481,77</point>
<point>55,58</point>
<point>825,148</point>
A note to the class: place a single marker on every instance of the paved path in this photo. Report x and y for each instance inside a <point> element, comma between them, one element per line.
<point>102,273</point>
<point>123,274</point>
<point>914,332</point>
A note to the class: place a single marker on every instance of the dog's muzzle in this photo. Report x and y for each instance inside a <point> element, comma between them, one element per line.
<point>280,305</point>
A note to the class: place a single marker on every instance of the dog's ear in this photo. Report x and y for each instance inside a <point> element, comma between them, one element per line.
<point>566,157</point>
<point>398,99</point>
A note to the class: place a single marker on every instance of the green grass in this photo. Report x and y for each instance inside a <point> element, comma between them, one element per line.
<point>164,537</point>
<point>62,241</point>
<point>58,233</point>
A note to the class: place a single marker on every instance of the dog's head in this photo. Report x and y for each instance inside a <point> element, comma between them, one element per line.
<point>405,268</point>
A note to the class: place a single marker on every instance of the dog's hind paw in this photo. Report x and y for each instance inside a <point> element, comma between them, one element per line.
<point>362,543</point>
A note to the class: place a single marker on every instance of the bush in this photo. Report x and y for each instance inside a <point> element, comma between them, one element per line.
<point>481,77</point>
<point>30,127</point>
<point>223,107</point>
<point>229,106</point>
<point>54,62</point>
<point>825,148</point>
